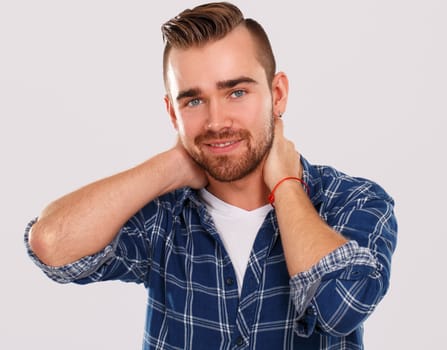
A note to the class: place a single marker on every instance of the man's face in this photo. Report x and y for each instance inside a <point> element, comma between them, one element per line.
<point>221,105</point>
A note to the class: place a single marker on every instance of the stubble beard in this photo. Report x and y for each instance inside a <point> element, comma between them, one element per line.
<point>229,168</point>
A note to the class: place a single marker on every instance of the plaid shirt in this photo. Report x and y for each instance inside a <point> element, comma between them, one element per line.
<point>172,247</point>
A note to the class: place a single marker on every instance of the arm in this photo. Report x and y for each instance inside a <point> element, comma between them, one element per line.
<point>341,287</point>
<point>85,221</point>
<point>306,238</point>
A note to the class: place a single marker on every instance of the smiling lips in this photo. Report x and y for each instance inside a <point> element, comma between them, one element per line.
<point>222,142</point>
<point>223,146</point>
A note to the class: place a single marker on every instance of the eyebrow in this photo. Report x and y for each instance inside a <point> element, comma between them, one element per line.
<point>234,82</point>
<point>188,93</point>
<point>221,85</point>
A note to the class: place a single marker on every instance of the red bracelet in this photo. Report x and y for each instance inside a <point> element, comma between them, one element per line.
<point>272,194</point>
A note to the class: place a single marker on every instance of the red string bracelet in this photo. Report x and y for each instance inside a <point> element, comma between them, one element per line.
<point>272,194</point>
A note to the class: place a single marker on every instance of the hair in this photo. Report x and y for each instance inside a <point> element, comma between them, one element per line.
<point>210,22</point>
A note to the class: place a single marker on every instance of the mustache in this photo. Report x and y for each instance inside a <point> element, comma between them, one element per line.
<point>221,135</point>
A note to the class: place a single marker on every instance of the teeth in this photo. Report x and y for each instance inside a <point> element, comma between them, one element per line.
<point>221,145</point>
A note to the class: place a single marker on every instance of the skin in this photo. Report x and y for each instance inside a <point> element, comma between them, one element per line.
<point>223,109</point>
<point>202,101</point>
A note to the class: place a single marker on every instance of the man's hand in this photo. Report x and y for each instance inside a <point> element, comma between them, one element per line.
<point>191,174</point>
<point>305,237</point>
<point>283,159</point>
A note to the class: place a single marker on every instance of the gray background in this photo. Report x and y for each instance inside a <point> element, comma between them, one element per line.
<point>81,98</point>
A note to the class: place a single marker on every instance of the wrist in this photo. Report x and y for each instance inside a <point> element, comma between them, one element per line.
<point>285,185</point>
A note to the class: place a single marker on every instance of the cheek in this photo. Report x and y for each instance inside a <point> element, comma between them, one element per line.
<point>261,114</point>
<point>188,129</point>
<point>261,106</point>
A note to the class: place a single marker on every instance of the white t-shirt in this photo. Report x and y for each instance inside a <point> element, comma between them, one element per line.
<point>237,229</point>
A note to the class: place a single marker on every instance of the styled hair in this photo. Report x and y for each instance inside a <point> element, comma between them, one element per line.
<point>210,22</point>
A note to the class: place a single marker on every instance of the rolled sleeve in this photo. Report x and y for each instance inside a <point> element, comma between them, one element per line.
<point>76,270</point>
<point>350,261</point>
<point>335,296</point>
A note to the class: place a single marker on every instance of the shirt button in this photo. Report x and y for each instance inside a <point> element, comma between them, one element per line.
<point>229,281</point>
<point>239,341</point>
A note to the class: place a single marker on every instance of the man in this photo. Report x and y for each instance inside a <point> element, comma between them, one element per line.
<point>240,242</point>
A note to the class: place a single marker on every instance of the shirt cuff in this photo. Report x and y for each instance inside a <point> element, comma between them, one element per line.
<point>75,270</point>
<point>350,261</point>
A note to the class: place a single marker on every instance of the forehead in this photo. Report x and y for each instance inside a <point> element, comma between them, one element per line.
<point>204,66</point>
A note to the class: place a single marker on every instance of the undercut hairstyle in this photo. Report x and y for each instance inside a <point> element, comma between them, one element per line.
<point>210,22</point>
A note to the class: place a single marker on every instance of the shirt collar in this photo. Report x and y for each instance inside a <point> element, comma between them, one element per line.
<point>186,196</point>
<point>310,175</point>
<point>312,178</point>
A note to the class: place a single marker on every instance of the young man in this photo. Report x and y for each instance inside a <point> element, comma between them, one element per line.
<point>240,242</point>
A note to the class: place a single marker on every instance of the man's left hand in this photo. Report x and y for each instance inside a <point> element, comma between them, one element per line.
<point>283,159</point>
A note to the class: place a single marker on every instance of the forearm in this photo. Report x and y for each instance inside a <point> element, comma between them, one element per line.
<point>305,237</point>
<point>85,221</point>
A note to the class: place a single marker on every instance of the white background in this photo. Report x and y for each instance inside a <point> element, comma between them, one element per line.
<point>81,98</point>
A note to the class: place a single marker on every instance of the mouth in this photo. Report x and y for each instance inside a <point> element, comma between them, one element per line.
<point>222,146</point>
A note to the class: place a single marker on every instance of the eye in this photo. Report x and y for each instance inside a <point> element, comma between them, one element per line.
<point>194,102</point>
<point>238,93</point>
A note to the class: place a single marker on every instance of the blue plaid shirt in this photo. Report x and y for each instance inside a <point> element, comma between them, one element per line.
<point>172,247</point>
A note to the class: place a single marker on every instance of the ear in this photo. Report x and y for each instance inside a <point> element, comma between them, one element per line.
<point>280,92</point>
<point>171,112</point>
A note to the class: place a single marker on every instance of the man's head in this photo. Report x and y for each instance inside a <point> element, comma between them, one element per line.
<point>213,21</point>
<point>222,90</point>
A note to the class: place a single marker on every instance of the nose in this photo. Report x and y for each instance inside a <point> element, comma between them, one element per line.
<point>218,118</point>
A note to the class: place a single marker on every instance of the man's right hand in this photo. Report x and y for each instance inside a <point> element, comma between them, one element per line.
<point>191,173</point>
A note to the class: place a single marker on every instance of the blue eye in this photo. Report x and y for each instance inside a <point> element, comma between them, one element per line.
<point>238,93</point>
<point>194,102</point>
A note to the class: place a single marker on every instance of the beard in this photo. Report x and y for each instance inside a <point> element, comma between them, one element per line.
<point>226,168</point>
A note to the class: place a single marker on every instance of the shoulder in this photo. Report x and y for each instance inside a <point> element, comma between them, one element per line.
<point>338,181</point>
<point>332,187</point>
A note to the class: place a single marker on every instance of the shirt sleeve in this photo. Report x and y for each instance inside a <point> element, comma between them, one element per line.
<point>337,294</point>
<point>73,271</point>
<point>126,258</point>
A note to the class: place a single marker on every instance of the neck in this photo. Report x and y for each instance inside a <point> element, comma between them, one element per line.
<point>248,193</point>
